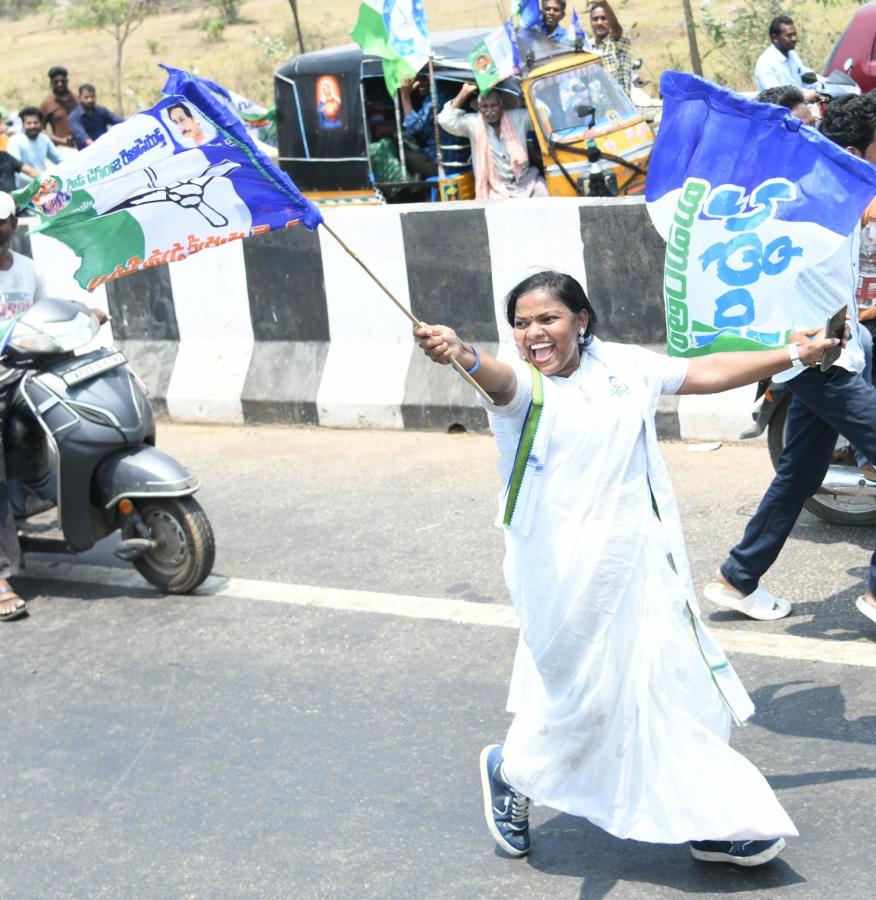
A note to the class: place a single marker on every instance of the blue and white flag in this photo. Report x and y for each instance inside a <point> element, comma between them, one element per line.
<point>746,197</point>
<point>168,182</point>
<point>251,114</point>
<point>579,35</point>
<point>526,12</point>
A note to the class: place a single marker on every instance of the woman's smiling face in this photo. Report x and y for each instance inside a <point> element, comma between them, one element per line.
<point>546,332</point>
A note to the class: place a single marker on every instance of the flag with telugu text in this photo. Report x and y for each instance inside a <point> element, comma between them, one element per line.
<point>168,182</point>
<point>396,31</point>
<point>746,197</point>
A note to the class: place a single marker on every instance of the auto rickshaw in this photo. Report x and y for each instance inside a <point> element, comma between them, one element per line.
<point>332,104</point>
<point>593,140</point>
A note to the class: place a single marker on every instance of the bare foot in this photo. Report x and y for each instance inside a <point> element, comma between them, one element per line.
<point>870,599</point>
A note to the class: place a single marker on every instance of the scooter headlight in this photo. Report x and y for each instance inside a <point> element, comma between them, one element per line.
<point>35,342</point>
<point>54,337</point>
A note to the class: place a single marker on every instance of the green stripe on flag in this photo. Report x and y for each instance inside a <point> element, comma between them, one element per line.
<point>369,33</point>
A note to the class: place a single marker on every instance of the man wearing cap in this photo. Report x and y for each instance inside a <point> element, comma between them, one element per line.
<point>57,107</point>
<point>21,284</point>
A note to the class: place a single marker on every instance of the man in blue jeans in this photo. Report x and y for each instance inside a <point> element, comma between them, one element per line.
<point>824,404</point>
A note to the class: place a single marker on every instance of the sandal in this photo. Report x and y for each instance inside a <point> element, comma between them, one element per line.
<point>863,607</point>
<point>19,610</point>
<point>759,604</point>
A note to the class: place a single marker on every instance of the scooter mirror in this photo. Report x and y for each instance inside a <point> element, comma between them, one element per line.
<point>809,78</point>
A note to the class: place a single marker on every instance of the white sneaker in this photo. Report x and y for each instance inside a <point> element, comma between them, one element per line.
<point>865,608</point>
<point>759,604</point>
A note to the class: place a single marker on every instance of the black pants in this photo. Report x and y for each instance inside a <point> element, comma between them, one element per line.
<point>10,551</point>
<point>824,405</point>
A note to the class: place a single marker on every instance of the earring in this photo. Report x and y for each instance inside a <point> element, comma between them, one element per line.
<point>581,332</point>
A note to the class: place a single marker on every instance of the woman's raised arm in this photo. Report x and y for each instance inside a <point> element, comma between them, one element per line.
<point>722,371</point>
<point>441,344</point>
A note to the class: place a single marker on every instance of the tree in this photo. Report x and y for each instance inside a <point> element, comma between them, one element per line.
<point>116,17</point>
<point>228,10</point>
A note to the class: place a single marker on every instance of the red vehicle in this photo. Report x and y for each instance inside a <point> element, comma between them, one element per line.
<point>858,45</point>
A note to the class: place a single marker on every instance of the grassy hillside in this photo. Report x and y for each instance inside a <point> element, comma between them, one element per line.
<point>247,53</point>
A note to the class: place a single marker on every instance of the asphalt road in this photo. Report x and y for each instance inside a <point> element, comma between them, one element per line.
<point>297,730</point>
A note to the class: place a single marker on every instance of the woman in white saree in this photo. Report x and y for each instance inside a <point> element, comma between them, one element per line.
<point>622,701</point>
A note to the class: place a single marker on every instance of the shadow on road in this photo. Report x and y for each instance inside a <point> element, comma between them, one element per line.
<point>574,848</point>
<point>816,712</point>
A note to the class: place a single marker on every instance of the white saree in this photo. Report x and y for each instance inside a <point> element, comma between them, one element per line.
<point>622,700</point>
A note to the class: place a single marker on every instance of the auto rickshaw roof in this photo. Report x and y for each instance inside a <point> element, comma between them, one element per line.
<point>450,49</point>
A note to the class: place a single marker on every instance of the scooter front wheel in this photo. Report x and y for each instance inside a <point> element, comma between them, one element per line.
<point>185,549</point>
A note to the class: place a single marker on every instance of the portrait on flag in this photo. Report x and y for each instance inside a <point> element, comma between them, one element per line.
<point>746,197</point>
<point>166,183</point>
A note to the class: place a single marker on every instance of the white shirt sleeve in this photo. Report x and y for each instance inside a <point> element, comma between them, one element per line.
<point>454,120</point>
<point>663,374</point>
<point>519,405</point>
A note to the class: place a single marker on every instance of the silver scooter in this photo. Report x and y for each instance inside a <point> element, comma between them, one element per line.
<point>80,438</point>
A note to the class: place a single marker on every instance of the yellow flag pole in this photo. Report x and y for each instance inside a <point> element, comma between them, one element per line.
<point>454,362</point>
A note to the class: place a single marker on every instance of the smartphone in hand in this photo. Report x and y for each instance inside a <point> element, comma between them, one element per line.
<point>835,328</point>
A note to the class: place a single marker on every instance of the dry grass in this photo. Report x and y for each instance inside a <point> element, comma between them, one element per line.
<point>249,52</point>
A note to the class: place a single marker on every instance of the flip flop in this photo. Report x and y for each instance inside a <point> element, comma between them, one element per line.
<point>865,608</point>
<point>759,604</point>
<point>16,613</point>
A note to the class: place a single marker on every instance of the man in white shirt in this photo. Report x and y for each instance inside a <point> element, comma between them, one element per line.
<point>21,284</point>
<point>780,63</point>
<point>824,404</point>
<point>31,146</point>
<point>498,145</point>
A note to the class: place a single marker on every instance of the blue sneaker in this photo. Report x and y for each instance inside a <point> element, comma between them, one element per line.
<point>506,810</point>
<point>740,853</point>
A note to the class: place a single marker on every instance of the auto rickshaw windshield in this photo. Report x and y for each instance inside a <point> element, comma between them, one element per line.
<point>580,100</point>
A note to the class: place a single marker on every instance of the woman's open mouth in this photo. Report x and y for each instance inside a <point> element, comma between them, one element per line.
<point>541,352</point>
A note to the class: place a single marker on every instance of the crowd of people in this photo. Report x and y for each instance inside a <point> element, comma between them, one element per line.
<point>622,702</point>
<point>37,136</point>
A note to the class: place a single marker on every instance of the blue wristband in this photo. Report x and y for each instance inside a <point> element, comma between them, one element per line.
<point>477,362</point>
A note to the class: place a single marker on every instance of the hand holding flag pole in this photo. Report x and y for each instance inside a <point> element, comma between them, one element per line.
<point>454,362</point>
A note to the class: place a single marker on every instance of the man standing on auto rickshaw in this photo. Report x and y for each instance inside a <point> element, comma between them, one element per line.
<point>552,13</point>
<point>612,43</point>
<point>498,145</point>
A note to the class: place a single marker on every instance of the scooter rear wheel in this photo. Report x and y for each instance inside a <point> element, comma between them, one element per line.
<point>839,509</point>
<point>186,547</point>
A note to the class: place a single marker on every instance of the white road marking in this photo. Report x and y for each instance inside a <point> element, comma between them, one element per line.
<point>443,609</point>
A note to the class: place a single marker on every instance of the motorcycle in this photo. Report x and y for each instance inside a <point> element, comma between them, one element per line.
<point>79,439</point>
<point>846,496</point>
<point>830,87</point>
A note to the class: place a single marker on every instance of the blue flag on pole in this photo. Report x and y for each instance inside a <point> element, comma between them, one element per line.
<point>578,32</point>
<point>746,197</point>
<point>528,12</point>
<point>168,182</point>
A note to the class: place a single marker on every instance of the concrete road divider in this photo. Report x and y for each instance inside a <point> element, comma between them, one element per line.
<point>286,327</point>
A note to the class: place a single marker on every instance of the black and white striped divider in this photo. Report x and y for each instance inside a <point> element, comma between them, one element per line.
<point>286,327</point>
